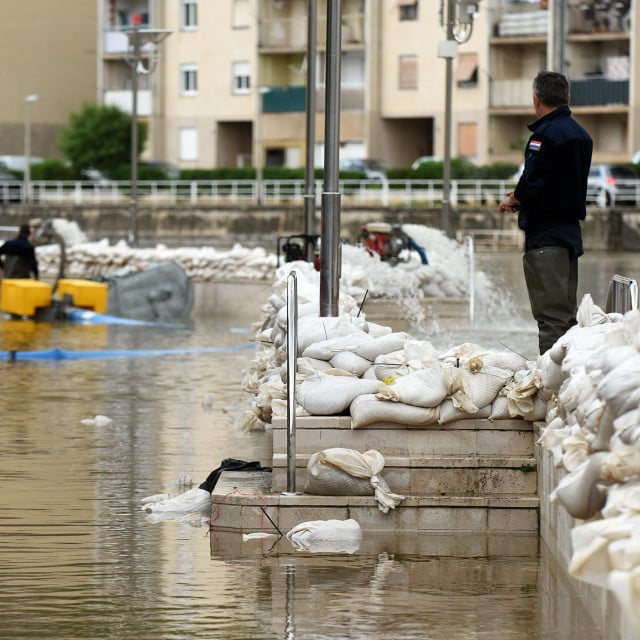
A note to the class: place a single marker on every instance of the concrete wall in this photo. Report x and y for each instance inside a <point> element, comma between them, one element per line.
<point>602,231</point>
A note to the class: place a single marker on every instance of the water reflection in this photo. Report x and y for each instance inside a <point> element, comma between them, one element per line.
<point>80,560</point>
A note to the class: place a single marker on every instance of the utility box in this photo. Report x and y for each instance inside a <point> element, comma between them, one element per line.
<point>22,296</point>
<point>85,294</point>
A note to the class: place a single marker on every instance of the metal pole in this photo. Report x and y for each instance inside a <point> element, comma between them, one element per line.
<point>472,277</point>
<point>292,358</point>
<point>258,147</point>
<point>330,241</point>
<point>309,176</point>
<point>133,196</point>
<point>27,146</point>
<point>446,173</point>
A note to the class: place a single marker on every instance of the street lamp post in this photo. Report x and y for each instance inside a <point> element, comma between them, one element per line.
<point>138,37</point>
<point>28,101</point>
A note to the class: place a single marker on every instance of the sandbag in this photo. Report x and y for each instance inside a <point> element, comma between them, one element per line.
<point>351,362</point>
<point>383,345</point>
<point>326,395</point>
<point>326,536</point>
<point>450,413</point>
<point>327,349</point>
<point>424,388</point>
<point>323,464</point>
<point>367,409</point>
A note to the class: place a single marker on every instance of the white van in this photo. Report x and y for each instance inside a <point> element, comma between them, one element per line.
<point>18,163</point>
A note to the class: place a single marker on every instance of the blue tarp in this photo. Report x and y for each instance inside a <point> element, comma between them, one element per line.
<point>66,354</point>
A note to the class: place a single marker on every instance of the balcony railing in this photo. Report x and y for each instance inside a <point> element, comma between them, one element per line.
<point>410,193</point>
<point>586,92</point>
<point>124,101</point>
<point>291,33</point>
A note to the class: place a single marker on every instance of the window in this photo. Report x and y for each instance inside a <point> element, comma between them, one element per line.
<point>408,9</point>
<point>467,139</point>
<point>241,78</point>
<point>466,74</point>
<point>189,14</point>
<point>240,14</point>
<point>188,79</point>
<point>188,143</point>
<point>408,72</point>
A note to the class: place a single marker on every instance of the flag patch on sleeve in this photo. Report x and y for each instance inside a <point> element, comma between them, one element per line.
<point>535,145</point>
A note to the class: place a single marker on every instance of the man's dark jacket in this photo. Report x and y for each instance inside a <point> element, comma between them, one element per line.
<point>21,258</point>
<point>552,189</point>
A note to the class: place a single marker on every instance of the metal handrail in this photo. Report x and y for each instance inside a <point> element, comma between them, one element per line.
<point>622,295</point>
<point>354,191</point>
<point>292,359</point>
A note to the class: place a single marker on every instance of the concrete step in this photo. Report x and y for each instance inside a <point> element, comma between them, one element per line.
<point>437,475</point>
<point>245,502</point>
<point>475,437</point>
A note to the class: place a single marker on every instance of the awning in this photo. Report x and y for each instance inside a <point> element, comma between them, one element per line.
<point>405,3</point>
<point>467,66</point>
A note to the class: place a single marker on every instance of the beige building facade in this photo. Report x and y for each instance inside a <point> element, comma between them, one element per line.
<point>48,51</point>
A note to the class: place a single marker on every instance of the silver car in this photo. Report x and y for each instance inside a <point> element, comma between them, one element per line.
<point>613,184</point>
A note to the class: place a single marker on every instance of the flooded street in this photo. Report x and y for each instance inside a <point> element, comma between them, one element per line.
<point>80,559</point>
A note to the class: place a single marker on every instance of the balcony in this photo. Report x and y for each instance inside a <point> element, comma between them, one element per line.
<point>290,34</point>
<point>290,99</point>
<point>599,91</point>
<point>124,101</point>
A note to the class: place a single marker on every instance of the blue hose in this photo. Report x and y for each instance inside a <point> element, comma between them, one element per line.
<point>65,354</point>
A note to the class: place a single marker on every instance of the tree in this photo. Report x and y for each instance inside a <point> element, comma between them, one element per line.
<point>99,137</point>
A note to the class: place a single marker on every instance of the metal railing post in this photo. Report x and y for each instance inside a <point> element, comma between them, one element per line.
<point>292,357</point>
<point>622,295</point>
<point>472,276</point>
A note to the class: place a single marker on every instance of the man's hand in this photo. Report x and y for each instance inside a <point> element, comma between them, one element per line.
<point>510,204</point>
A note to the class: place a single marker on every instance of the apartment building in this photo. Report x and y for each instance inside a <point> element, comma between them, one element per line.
<point>48,62</point>
<point>228,86</point>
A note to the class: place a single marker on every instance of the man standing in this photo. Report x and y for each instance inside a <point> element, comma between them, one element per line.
<point>550,200</point>
<point>20,256</point>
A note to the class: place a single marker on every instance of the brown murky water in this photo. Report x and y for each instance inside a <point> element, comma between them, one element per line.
<point>79,559</point>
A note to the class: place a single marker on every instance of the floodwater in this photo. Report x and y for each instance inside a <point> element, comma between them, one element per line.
<point>79,559</point>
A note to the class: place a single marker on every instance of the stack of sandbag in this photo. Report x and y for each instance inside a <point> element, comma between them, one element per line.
<point>593,432</point>
<point>396,379</point>
<point>346,472</point>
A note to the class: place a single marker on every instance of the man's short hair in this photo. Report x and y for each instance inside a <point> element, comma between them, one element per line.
<point>552,88</point>
<point>25,230</point>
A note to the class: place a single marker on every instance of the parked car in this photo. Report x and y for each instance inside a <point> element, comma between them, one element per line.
<point>611,184</point>
<point>418,162</point>
<point>10,188</point>
<point>373,169</point>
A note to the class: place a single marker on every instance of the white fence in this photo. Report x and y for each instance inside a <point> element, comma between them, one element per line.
<point>410,193</point>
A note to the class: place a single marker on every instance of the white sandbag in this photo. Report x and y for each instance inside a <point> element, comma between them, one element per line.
<point>623,500</point>
<point>626,587</point>
<point>521,390</point>
<point>326,349</point>
<point>325,479</point>
<point>581,492</point>
<point>450,413</point>
<point>317,329</point>
<point>383,345</point>
<point>190,501</point>
<point>326,395</point>
<point>472,391</point>
<point>551,372</point>
<point>367,409</point>
<point>326,536</point>
<point>360,465</point>
<point>425,388</point>
<point>621,386</point>
<point>308,366</point>
<point>351,362</point>
<point>391,365</point>
<point>500,409</point>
